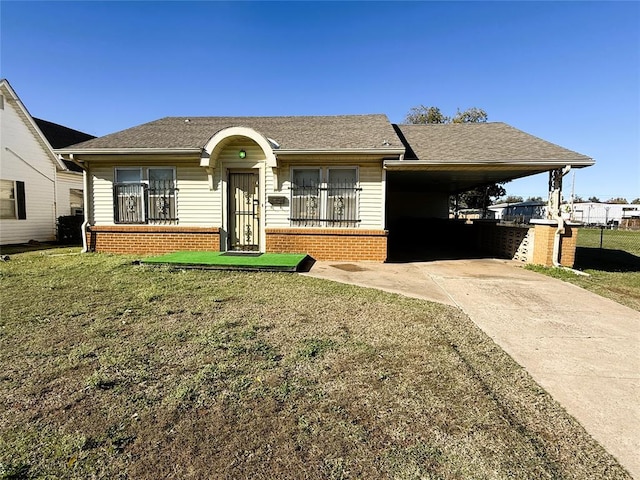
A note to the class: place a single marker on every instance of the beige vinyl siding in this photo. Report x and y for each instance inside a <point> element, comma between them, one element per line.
<point>67,181</point>
<point>197,204</point>
<point>277,215</point>
<point>101,177</point>
<point>370,207</point>
<point>23,158</point>
<point>371,196</point>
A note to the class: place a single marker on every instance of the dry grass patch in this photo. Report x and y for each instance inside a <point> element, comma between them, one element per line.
<point>110,370</point>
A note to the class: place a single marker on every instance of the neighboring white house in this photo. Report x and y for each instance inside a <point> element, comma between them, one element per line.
<point>592,213</point>
<point>35,186</point>
<point>520,212</point>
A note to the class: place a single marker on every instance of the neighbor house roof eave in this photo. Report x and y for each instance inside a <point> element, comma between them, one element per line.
<point>41,138</point>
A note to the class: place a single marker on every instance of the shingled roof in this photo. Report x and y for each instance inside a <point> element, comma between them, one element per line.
<point>481,142</point>
<point>341,132</point>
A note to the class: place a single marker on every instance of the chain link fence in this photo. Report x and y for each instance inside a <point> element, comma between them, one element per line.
<point>610,249</point>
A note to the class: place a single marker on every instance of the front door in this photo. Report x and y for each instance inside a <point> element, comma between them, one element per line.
<point>244,212</point>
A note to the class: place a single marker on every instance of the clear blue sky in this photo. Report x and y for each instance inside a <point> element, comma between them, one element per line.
<point>565,71</point>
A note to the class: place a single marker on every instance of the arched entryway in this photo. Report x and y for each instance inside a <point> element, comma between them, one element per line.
<point>237,160</point>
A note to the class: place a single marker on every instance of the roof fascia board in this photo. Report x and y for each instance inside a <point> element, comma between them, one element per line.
<point>433,165</point>
<point>345,151</point>
<point>92,156</point>
<point>42,139</point>
<point>128,151</point>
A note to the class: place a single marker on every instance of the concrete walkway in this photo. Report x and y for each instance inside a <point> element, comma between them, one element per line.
<point>582,348</point>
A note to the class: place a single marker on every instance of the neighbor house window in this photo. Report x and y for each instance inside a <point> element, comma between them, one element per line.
<point>145,195</point>
<point>12,200</point>
<point>324,197</point>
<point>76,201</point>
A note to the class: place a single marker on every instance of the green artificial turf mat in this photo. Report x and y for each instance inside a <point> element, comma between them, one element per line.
<point>218,259</point>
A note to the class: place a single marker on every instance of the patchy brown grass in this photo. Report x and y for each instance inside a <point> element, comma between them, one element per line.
<point>109,370</point>
<point>613,271</point>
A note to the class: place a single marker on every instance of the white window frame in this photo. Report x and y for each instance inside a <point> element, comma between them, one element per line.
<point>144,179</point>
<point>323,177</point>
<point>15,200</point>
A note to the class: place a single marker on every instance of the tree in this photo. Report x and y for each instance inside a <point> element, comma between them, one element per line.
<point>470,115</point>
<point>618,200</point>
<point>421,115</point>
<point>577,199</point>
<point>594,199</point>
<point>479,197</point>
<point>511,199</point>
<point>635,201</point>
<point>535,199</point>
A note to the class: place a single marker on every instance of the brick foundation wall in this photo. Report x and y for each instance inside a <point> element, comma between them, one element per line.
<point>504,241</point>
<point>151,239</point>
<point>543,245</point>
<point>531,244</point>
<point>329,244</point>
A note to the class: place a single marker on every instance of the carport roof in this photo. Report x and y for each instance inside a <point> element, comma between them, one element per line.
<point>457,157</point>
<point>482,143</point>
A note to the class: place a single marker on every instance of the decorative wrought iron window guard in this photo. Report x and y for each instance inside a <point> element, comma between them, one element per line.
<point>138,203</point>
<point>334,205</point>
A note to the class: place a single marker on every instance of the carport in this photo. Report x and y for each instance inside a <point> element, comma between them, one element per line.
<point>445,159</point>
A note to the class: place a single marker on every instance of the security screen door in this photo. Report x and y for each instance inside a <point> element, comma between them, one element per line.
<point>244,212</point>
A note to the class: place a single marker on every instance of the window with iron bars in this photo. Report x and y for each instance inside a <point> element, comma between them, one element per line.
<point>151,198</point>
<point>325,197</point>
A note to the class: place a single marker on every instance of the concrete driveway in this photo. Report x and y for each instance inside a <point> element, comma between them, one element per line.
<point>582,348</point>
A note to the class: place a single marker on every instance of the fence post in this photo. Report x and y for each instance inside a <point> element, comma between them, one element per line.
<point>601,235</point>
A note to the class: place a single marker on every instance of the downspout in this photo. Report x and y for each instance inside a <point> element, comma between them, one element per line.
<point>556,242</point>
<point>85,201</point>
<point>557,216</point>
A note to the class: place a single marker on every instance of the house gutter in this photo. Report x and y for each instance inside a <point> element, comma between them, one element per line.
<point>347,151</point>
<point>427,164</point>
<point>130,151</point>
<point>80,157</point>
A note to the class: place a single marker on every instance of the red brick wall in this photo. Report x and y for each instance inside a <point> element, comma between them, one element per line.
<point>329,244</point>
<point>543,245</point>
<point>151,239</point>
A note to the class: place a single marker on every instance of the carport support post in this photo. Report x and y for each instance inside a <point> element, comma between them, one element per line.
<point>553,210</point>
<point>555,194</point>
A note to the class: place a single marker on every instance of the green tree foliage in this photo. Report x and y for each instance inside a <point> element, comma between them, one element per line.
<point>594,199</point>
<point>480,197</point>
<point>618,200</point>
<point>535,199</point>
<point>510,199</point>
<point>635,201</point>
<point>470,115</point>
<point>421,115</point>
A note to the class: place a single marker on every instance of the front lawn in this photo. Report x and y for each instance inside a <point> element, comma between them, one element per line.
<point>113,370</point>
<point>614,269</point>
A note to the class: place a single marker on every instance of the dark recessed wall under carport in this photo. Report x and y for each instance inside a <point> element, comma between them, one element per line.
<point>417,215</point>
<point>417,219</point>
